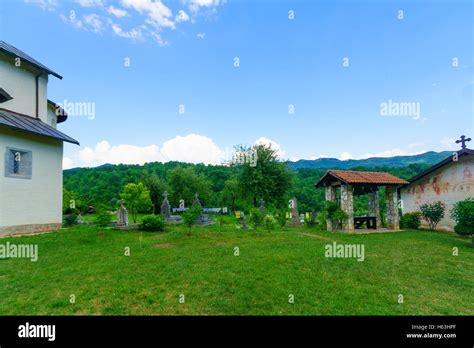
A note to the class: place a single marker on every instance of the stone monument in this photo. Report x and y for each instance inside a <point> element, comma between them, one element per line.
<point>294,215</point>
<point>166,211</point>
<point>122,215</point>
<point>165,206</point>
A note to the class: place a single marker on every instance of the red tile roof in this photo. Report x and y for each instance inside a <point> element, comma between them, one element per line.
<point>355,177</point>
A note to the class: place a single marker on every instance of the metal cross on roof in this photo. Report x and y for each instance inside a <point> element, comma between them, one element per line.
<point>463,141</point>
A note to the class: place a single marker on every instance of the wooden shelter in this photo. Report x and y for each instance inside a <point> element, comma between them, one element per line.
<point>357,183</point>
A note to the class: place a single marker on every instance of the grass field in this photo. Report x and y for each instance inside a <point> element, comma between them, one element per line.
<point>91,265</point>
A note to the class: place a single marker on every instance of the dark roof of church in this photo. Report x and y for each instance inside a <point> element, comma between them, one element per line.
<point>33,125</point>
<point>357,177</point>
<point>462,152</point>
<point>15,52</point>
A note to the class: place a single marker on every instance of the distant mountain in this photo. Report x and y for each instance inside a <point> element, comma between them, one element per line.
<point>430,158</point>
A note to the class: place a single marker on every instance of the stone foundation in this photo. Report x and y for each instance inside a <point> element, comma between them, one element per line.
<point>7,231</point>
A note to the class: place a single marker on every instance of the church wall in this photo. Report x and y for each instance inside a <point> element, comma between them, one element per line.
<point>21,85</point>
<point>449,184</point>
<point>30,205</point>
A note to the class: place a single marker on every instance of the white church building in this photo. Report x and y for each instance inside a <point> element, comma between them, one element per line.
<point>31,148</point>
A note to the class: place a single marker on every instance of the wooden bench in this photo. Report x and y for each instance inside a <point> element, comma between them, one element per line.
<point>369,221</point>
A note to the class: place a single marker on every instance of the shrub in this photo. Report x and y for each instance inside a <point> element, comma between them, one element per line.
<point>256,217</point>
<point>339,217</point>
<point>102,217</point>
<point>411,220</point>
<point>70,219</point>
<point>463,214</point>
<point>152,223</point>
<point>311,221</point>
<point>269,222</point>
<point>433,213</point>
<point>190,216</point>
<point>281,217</point>
<point>321,217</point>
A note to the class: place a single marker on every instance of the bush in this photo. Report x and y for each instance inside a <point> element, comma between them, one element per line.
<point>433,213</point>
<point>321,217</point>
<point>102,216</point>
<point>70,219</point>
<point>269,222</point>
<point>411,220</point>
<point>281,217</point>
<point>339,217</point>
<point>256,217</point>
<point>152,223</point>
<point>190,216</point>
<point>311,221</point>
<point>463,214</point>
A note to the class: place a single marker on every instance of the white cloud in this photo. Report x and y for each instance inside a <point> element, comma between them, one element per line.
<point>182,16</point>
<point>195,5</point>
<point>90,3</point>
<point>158,14</point>
<point>134,34</point>
<point>274,145</point>
<point>94,22</point>
<point>72,21</point>
<point>48,5</point>
<point>117,12</point>
<point>67,163</point>
<point>191,148</point>
<point>201,35</point>
<point>345,156</point>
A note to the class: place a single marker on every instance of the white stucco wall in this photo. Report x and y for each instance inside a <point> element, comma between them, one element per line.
<point>452,183</point>
<point>37,200</point>
<point>21,85</point>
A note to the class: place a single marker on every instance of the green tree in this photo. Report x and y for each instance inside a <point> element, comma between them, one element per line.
<point>156,187</point>
<point>102,216</point>
<point>190,216</point>
<point>137,199</point>
<point>231,193</point>
<point>267,178</point>
<point>184,183</point>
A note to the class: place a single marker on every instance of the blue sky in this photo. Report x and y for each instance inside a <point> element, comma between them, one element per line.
<point>182,53</point>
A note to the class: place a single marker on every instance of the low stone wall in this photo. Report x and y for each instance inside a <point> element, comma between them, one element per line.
<point>28,229</point>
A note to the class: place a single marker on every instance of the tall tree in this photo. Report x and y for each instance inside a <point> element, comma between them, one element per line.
<point>156,187</point>
<point>266,178</point>
<point>137,199</point>
<point>184,183</point>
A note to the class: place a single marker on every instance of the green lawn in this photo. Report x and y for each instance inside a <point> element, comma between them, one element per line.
<point>271,266</point>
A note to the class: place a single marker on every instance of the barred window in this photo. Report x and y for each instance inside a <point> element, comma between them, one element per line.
<point>18,163</point>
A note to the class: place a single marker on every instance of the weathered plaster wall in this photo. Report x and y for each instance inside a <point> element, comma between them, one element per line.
<point>35,201</point>
<point>449,184</point>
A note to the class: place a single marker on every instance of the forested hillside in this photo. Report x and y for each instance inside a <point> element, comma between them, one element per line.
<point>237,187</point>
